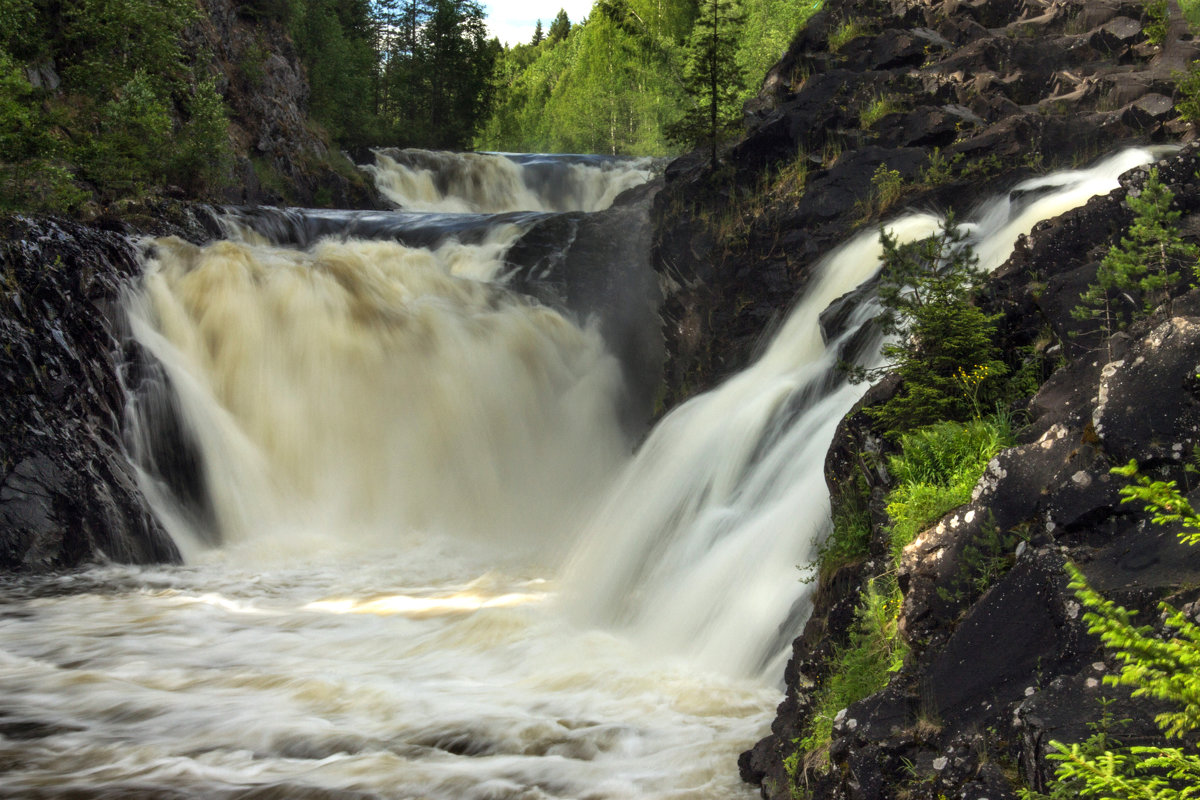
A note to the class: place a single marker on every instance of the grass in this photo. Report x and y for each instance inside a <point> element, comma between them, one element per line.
<point>936,470</point>
<point>845,33</point>
<point>938,467</point>
<point>879,108</point>
<point>887,188</point>
<point>862,667</point>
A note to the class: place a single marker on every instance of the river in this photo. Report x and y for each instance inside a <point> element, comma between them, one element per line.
<point>427,553</point>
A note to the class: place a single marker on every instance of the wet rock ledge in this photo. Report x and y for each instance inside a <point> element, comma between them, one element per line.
<point>67,492</point>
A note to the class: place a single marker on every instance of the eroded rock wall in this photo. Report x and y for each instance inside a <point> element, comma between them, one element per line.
<point>68,494</point>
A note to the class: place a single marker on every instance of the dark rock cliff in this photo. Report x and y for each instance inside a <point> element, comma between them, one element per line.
<point>280,155</point>
<point>950,102</point>
<point>992,678</point>
<point>67,491</point>
<point>959,99</point>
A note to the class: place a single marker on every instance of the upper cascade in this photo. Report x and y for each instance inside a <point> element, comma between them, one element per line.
<point>493,183</point>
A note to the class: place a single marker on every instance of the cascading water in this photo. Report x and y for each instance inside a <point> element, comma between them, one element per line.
<point>420,180</point>
<point>395,452</point>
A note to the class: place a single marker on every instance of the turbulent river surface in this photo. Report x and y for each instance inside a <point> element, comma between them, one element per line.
<point>422,557</point>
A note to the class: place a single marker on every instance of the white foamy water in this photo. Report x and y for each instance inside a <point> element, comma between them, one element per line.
<point>466,183</point>
<point>442,575</point>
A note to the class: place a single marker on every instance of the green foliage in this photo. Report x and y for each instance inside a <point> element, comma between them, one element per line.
<point>1156,20</point>
<point>845,33</point>
<point>713,79</point>
<point>108,43</point>
<point>941,169</point>
<point>925,290</point>
<point>936,470</point>
<point>862,667</point>
<point>1164,499</point>
<point>878,108</point>
<point>1145,261</point>
<point>335,41</point>
<point>607,86</point>
<point>559,28</point>
<point>201,157</point>
<point>850,538</point>
<point>770,27</point>
<point>1163,667</point>
<point>887,187</point>
<point>135,129</point>
<point>616,83</point>
<point>130,116</point>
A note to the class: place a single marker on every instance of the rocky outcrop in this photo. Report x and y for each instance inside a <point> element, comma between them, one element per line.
<point>280,158</point>
<point>67,491</point>
<point>959,99</point>
<point>995,673</point>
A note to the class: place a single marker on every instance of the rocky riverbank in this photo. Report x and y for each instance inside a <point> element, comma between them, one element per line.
<point>880,106</point>
<point>69,494</point>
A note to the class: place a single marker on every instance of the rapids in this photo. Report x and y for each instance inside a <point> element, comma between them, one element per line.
<point>423,560</point>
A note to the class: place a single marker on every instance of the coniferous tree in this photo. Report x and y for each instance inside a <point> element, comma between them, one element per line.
<point>925,290</point>
<point>1147,260</point>
<point>712,78</point>
<point>1162,663</point>
<point>538,35</point>
<point>560,28</point>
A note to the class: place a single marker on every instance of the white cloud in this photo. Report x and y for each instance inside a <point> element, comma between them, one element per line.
<point>513,21</point>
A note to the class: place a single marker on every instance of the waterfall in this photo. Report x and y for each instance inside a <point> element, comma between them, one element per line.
<point>423,555</point>
<point>420,180</point>
<point>697,547</point>
<point>366,386</point>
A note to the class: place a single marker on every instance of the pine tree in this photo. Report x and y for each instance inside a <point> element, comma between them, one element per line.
<point>559,28</point>
<point>925,290</point>
<point>713,80</point>
<point>1162,664</point>
<point>1145,261</point>
<point>538,35</point>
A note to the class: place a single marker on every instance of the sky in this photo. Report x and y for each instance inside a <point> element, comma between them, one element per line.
<point>513,21</point>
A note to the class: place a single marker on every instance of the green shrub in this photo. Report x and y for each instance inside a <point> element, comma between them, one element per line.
<point>202,156</point>
<point>850,538</point>
<point>129,152</point>
<point>845,33</point>
<point>862,667</point>
<point>925,290</point>
<point>879,108</point>
<point>1145,261</point>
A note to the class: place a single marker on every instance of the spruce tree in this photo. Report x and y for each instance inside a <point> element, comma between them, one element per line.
<point>712,78</point>
<point>1160,662</point>
<point>559,28</point>
<point>925,290</point>
<point>1146,261</point>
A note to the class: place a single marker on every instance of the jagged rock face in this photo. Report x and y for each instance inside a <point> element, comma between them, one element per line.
<point>258,72</point>
<point>67,492</point>
<point>1005,672</point>
<point>1000,90</point>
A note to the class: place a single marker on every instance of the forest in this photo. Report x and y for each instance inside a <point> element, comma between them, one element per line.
<point>104,99</point>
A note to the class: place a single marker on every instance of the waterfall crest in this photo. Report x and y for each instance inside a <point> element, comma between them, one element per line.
<point>469,183</point>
